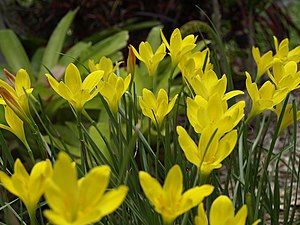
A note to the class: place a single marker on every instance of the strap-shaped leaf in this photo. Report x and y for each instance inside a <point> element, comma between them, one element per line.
<point>106,47</point>
<point>14,53</point>
<point>56,42</point>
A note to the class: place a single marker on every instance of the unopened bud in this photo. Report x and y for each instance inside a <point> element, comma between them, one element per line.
<point>131,61</point>
<point>13,104</point>
<point>10,76</point>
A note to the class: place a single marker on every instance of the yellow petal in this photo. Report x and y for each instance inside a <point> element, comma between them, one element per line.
<point>256,222</point>
<point>194,196</point>
<point>188,146</point>
<point>55,198</point>
<point>65,92</point>
<point>226,145</point>
<point>92,65</point>
<point>172,103</point>
<point>252,88</point>
<point>73,78</point>
<point>221,208</point>
<point>92,186</point>
<point>173,183</point>
<point>7,183</point>
<point>149,97</point>
<point>53,83</point>
<point>92,80</point>
<point>241,216</point>
<point>39,173</point>
<point>22,82</point>
<point>56,218</point>
<point>136,53</point>
<point>145,51</point>
<point>151,187</point>
<point>112,200</point>
<point>65,176</point>
<point>201,218</point>
<point>164,39</point>
<point>15,124</point>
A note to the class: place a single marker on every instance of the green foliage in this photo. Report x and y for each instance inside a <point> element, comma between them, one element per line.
<point>129,142</point>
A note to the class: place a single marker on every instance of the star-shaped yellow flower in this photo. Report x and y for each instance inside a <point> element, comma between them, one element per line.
<point>214,113</point>
<point>264,98</point>
<point>179,47</point>
<point>156,108</point>
<point>76,92</point>
<point>169,201</point>
<point>209,154</point>
<point>17,97</point>
<point>263,62</point>
<point>83,201</point>
<point>147,56</point>
<point>113,89</point>
<point>222,213</point>
<point>29,188</point>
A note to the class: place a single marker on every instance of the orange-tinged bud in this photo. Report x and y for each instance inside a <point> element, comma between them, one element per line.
<point>13,104</point>
<point>131,61</point>
<point>9,76</point>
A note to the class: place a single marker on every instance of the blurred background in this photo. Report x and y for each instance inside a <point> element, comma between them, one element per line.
<point>237,21</point>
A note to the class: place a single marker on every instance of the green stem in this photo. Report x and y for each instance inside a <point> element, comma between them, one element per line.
<point>37,134</point>
<point>32,216</point>
<point>170,79</point>
<point>157,150</point>
<point>167,222</point>
<point>83,157</point>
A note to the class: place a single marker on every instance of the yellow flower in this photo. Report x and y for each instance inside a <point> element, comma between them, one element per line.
<point>192,65</point>
<point>179,47</point>
<point>169,200</point>
<point>204,81</point>
<point>263,62</point>
<point>265,98</point>
<point>285,75</point>
<point>14,125</point>
<point>288,116</point>
<point>76,92</point>
<point>283,53</point>
<point>80,202</point>
<point>113,89</point>
<point>12,102</point>
<point>146,55</point>
<point>207,158</point>
<point>214,113</point>
<point>156,109</point>
<point>29,188</point>
<point>17,97</point>
<point>106,65</point>
<point>222,213</point>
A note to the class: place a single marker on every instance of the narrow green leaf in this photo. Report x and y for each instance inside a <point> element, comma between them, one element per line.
<point>14,53</point>
<point>56,42</point>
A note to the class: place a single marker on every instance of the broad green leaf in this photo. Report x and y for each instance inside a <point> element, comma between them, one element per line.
<point>56,42</point>
<point>37,58</point>
<point>154,37</point>
<point>73,53</point>
<point>106,47</point>
<point>14,52</point>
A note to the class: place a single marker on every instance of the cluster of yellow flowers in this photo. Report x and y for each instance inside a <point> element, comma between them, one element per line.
<point>71,201</point>
<point>85,200</point>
